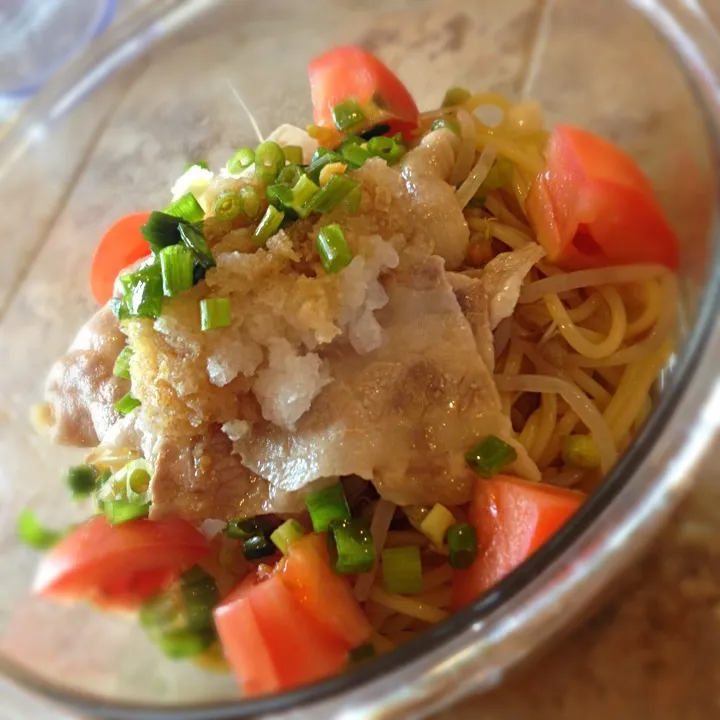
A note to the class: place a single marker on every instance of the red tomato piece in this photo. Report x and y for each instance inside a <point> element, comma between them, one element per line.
<point>120,566</point>
<point>593,207</point>
<point>121,246</point>
<point>271,642</point>
<point>512,518</point>
<point>350,72</point>
<point>326,595</point>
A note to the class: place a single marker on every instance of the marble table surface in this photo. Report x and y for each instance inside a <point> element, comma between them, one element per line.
<point>653,651</point>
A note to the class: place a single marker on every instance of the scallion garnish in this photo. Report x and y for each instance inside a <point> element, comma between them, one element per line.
<point>347,114</point>
<point>122,511</point>
<point>241,160</point>
<point>361,653</point>
<point>335,191</point>
<point>499,176</point>
<point>160,230</point>
<point>121,368</point>
<point>288,533</point>
<point>436,523</point>
<point>182,644</point>
<point>186,208</point>
<point>257,547</point>
<point>327,505</point>
<point>289,175</point>
<point>143,291</point>
<point>126,404</point>
<point>269,160</point>
<point>195,241</point>
<point>200,163</point>
<point>248,527</point>
<point>303,192</point>
<point>456,96</point>
<point>280,196</point>
<point>200,595</point>
<point>320,161</point>
<point>402,570</point>
<point>227,205</point>
<point>332,248</point>
<point>350,546</point>
<point>354,154</point>
<point>177,264</point>
<point>137,475</point>
<point>81,480</point>
<point>351,202</point>
<point>387,148</point>
<point>462,545</point>
<point>293,154</point>
<point>215,313</point>
<point>490,456</point>
<point>251,203</point>
<point>32,532</point>
<point>448,123</point>
<point>268,225</point>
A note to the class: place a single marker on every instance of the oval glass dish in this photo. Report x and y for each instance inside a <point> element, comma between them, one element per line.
<point>107,137</point>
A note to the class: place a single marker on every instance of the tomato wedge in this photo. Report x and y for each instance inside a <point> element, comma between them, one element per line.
<point>349,72</point>
<point>122,245</point>
<point>512,518</point>
<point>593,207</point>
<point>271,642</point>
<point>325,595</point>
<point>119,566</point>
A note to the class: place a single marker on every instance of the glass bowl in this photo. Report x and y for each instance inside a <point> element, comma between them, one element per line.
<point>108,136</point>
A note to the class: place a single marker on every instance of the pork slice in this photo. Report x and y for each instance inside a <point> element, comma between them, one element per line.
<point>81,389</point>
<point>403,415</point>
<point>204,479</point>
<point>474,302</point>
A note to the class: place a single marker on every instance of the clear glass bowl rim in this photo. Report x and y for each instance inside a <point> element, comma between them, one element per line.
<point>473,648</point>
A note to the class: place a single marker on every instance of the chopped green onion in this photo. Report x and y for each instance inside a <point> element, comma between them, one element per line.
<point>350,139</point>
<point>126,404</point>
<point>347,114</point>
<point>338,188</point>
<point>402,570</point>
<point>177,265</point>
<point>327,505</point>
<point>386,148</point>
<point>351,202</point>
<point>200,596</point>
<point>448,123</point>
<point>269,160</point>
<point>500,175</point>
<point>186,208</point>
<point>160,230</point>
<point>143,291</point>
<point>81,480</point>
<point>351,547</point>
<point>356,155</point>
<point>241,160</point>
<point>162,613</point>
<point>320,161</point>
<point>200,163</point>
<point>303,193</point>
<point>228,205</point>
<point>293,154</point>
<point>456,96</point>
<point>333,249</point>
<point>122,511</point>
<point>251,204</point>
<point>248,527</point>
<point>137,474</point>
<point>288,533</point>
<point>436,523</point>
<point>215,313</point>
<point>195,241</point>
<point>182,644</point>
<point>32,533</point>
<point>280,196</point>
<point>257,547</point>
<point>268,225</point>
<point>462,544</point>
<point>490,456</point>
<point>361,652</point>
<point>289,175</point>
<point>121,368</point>
<point>581,451</point>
